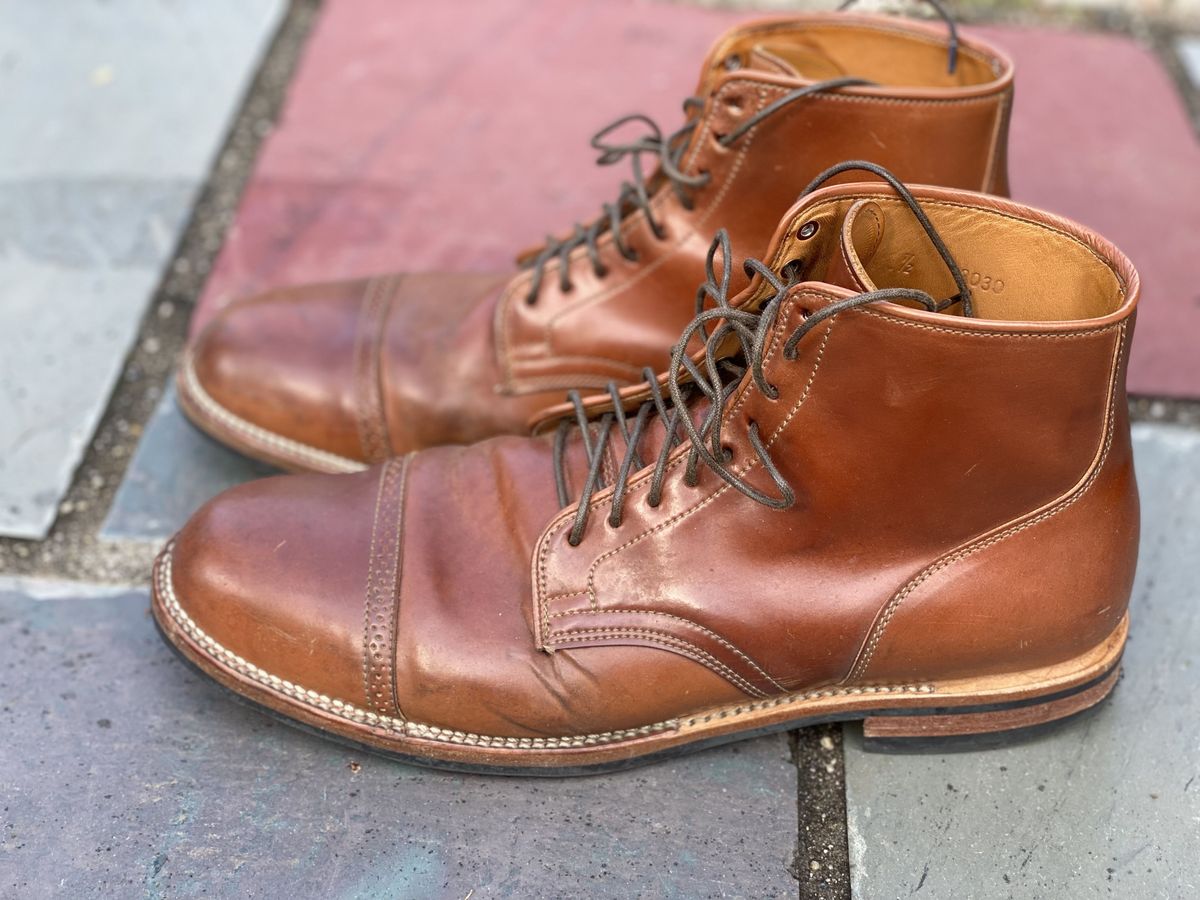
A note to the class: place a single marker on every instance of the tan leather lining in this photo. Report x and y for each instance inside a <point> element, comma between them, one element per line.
<point>894,57</point>
<point>1017,270</point>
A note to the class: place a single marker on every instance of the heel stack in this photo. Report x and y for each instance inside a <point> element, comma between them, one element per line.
<point>979,726</point>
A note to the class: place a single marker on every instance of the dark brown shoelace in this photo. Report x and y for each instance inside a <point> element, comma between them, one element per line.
<point>669,151</point>
<point>635,194</point>
<point>944,14</point>
<point>720,375</point>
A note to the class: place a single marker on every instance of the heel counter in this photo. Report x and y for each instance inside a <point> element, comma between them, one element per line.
<point>1037,591</point>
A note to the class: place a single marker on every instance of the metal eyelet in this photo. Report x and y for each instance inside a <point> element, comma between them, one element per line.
<point>808,230</point>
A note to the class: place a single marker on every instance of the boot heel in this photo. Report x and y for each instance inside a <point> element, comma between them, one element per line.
<point>950,729</point>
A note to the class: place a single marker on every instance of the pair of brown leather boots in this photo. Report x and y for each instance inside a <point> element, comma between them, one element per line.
<point>882,472</point>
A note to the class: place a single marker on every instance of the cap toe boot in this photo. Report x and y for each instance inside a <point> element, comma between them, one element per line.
<point>330,377</point>
<point>902,492</point>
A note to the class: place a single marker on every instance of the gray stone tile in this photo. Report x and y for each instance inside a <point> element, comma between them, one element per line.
<point>124,773</point>
<point>1189,52</point>
<point>113,112</point>
<point>175,470</point>
<point>138,89</point>
<point>1107,805</point>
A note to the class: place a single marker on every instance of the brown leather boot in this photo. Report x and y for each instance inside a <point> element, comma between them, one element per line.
<point>326,377</point>
<point>902,492</point>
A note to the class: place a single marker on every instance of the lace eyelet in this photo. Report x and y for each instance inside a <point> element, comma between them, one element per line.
<point>773,395</point>
<point>727,453</point>
<point>734,104</point>
<point>572,542</point>
<point>808,230</point>
<point>570,286</point>
<point>653,504</point>
<point>732,63</point>
<point>805,312</point>
<point>601,272</point>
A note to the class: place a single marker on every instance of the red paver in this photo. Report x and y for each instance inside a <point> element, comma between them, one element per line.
<point>451,135</point>
<point>1100,135</point>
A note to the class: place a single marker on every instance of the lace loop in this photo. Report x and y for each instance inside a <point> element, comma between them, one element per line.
<point>635,195</point>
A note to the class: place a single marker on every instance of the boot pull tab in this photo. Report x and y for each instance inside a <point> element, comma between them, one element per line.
<point>862,233</point>
<point>951,25</point>
<point>903,261</point>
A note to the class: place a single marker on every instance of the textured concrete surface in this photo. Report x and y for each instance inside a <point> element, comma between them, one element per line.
<point>462,156</point>
<point>1107,805</point>
<point>175,471</point>
<point>113,112</point>
<point>123,773</point>
<point>1189,52</point>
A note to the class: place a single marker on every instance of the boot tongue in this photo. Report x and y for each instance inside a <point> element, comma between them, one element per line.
<point>860,240</point>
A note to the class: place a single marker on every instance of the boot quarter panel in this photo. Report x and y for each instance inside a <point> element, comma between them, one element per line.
<point>871,509</point>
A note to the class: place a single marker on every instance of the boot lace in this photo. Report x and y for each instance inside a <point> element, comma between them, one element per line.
<point>718,377</point>
<point>668,151</point>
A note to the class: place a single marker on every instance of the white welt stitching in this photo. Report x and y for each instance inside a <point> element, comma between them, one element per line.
<point>227,657</point>
<point>327,461</point>
<point>340,708</point>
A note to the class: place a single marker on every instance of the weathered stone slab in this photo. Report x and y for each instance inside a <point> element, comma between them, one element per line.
<point>1105,806</point>
<point>176,469</point>
<point>113,112</point>
<point>124,773</point>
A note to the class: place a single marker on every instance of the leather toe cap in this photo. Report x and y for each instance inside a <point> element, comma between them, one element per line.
<point>288,367</point>
<point>275,571</point>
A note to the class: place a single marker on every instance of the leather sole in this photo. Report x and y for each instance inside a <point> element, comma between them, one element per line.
<point>247,438</point>
<point>934,715</point>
